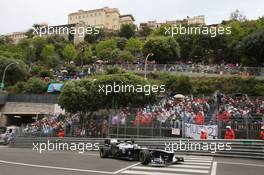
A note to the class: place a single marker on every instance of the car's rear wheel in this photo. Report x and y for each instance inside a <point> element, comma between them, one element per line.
<point>144,157</point>
<point>104,153</point>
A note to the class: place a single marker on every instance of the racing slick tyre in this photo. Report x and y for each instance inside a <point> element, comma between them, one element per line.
<point>104,153</point>
<point>144,157</point>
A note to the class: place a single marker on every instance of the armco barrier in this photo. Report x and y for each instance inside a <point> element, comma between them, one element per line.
<point>239,148</point>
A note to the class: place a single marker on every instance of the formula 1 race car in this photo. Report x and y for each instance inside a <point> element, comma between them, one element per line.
<point>128,150</point>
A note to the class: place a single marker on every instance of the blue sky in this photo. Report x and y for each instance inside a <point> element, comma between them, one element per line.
<point>19,15</point>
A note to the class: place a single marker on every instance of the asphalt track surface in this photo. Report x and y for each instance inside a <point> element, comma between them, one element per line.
<point>17,161</point>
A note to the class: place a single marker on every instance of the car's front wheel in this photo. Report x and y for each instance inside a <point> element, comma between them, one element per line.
<point>144,157</point>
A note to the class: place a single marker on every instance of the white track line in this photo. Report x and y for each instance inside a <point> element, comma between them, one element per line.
<point>197,156</point>
<point>56,168</point>
<point>213,171</point>
<point>192,158</point>
<point>189,166</point>
<point>201,161</point>
<point>172,169</point>
<point>123,169</point>
<point>149,173</point>
<point>246,164</point>
<point>196,163</point>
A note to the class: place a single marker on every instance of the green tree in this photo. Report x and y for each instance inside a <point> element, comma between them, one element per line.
<point>177,84</point>
<point>95,37</point>
<point>186,44</point>
<point>105,54</point>
<point>15,72</point>
<point>145,31</point>
<point>39,43</point>
<point>115,56</point>
<point>49,54</point>
<point>103,48</point>
<point>45,73</point>
<point>252,46</point>
<point>126,56</point>
<point>127,30</point>
<point>84,57</point>
<point>71,69</point>
<point>82,96</point>
<point>69,52</point>
<point>134,45</point>
<point>209,49</point>
<point>237,16</point>
<point>165,49</point>
<point>12,51</point>
<point>5,40</point>
<point>29,48</point>
<point>36,86</point>
<point>121,42</point>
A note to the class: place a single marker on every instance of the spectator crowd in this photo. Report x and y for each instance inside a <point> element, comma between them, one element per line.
<point>170,112</point>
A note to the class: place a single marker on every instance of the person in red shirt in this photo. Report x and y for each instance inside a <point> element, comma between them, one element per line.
<point>203,135</point>
<point>262,133</point>
<point>61,133</point>
<point>230,134</point>
<point>199,119</point>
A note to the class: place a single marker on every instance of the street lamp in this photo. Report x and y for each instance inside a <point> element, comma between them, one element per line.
<point>146,60</point>
<point>3,78</point>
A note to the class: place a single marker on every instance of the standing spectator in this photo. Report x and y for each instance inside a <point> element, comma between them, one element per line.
<point>199,119</point>
<point>61,133</point>
<point>262,133</point>
<point>104,128</point>
<point>203,135</point>
<point>10,135</point>
<point>230,134</point>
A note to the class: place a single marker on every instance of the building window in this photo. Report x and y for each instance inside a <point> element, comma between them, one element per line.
<point>95,14</point>
<point>91,14</point>
<point>79,17</point>
<point>99,14</point>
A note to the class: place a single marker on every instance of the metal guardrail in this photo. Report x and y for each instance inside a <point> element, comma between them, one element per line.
<point>189,69</point>
<point>239,148</point>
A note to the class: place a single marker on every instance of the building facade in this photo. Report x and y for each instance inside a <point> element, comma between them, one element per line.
<point>108,18</point>
<point>17,36</point>
<point>196,20</point>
